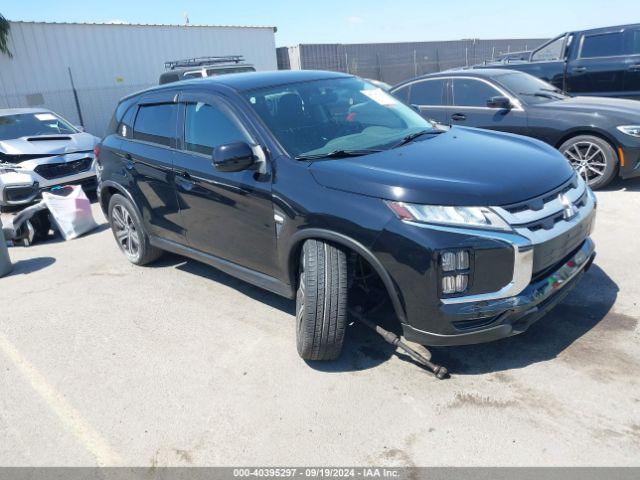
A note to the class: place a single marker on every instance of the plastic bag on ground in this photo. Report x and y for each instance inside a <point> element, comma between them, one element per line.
<point>71,211</point>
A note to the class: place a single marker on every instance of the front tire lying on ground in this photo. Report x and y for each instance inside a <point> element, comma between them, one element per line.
<point>593,158</point>
<point>321,301</point>
<point>129,233</point>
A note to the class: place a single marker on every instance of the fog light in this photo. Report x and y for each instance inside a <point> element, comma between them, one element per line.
<point>462,260</point>
<point>449,284</point>
<point>461,283</point>
<point>454,284</point>
<point>448,261</point>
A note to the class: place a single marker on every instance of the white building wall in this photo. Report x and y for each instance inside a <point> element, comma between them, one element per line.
<point>110,61</point>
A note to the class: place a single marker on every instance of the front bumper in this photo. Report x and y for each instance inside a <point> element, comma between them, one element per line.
<point>495,319</point>
<point>18,195</point>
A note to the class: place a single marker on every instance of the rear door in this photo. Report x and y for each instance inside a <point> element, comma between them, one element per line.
<point>147,155</point>
<point>599,66</point>
<point>427,95</point>
<point>469,108</point>
<point>226,214</point>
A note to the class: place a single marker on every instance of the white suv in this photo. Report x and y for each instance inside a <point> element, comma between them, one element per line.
<point>40,150</point>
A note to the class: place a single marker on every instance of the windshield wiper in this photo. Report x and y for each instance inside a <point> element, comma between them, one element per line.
<point>541,95</point>
<point>338,154</point>
<point>412,136</point>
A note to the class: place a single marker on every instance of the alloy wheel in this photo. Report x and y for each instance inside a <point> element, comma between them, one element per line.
<point>588,159</point>
<point>125,231</point>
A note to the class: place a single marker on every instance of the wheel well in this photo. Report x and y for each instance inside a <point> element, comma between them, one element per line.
<point>592,133</point>
<point>105,197</point>
<point>359,269</point>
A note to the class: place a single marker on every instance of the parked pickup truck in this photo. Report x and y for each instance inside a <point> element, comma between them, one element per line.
<point>604,62</point>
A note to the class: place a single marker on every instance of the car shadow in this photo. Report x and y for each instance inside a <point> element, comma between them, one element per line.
<point>620,185</point>
<point>585,306</point>
<point>30,265</point>
<point>197,268</point>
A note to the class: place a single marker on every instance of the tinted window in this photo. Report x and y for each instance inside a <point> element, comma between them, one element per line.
<point>156,123</point>
<point>126,125</point>
<point>318,117</point>
<point>605,45</point>
<point>207,127</point>
<point>551,52</point>
<point>472,93</point>
<point>427,93</point>
<point>635,42</point>
<point>402,94</point>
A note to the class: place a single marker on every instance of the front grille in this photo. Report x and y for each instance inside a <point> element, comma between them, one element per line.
<point>51,171</point>
<point>556,222</point>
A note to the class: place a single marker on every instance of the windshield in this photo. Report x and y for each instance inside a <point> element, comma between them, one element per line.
<point>33,124</point>
<point>533,89</point>
<point>324,116</point>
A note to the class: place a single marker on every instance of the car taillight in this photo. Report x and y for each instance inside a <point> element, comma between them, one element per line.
<point>96,151</point>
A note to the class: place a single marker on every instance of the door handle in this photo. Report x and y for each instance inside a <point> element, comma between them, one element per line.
<point>459,117</point>
<point>184,180</point>
<point>634,68</point>
<point>130,165</point>
<point>579,69</point>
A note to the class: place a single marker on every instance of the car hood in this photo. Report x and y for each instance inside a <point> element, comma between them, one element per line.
<point>47,145</point>
<point>618,107</point>
<point>464,166</point>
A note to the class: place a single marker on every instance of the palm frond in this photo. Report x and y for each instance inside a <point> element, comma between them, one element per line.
<point>5,26</point>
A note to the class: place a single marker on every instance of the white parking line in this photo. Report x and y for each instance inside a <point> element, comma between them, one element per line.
<point>69,416</point>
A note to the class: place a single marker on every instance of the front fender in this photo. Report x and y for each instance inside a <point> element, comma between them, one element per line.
<point>294,247</point>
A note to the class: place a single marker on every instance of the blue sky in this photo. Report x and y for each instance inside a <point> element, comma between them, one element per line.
<point>349,21</point>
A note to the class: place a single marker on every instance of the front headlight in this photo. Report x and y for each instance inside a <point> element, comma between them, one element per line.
<point>633,130</point>
<point>475,217</point>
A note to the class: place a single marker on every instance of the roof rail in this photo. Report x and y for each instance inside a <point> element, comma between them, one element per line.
<point>203,61</point>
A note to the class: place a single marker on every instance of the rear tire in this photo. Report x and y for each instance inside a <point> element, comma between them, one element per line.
<point>129,233</point>
<point>593,158</point>
<point>321,301</point>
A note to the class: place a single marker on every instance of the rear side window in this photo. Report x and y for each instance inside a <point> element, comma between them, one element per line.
<point>429,92</point>
<point>603,45</point>
<point>156,123</point>
<point>402,94</point>
<point>196,74</point>
<point>472,93</point>
<point>634,39</point>
<point>207,126</point>
<point>551,52</point>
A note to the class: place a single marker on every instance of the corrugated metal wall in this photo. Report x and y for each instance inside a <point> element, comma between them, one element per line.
<point>111,61</point>
<point>395,62</point>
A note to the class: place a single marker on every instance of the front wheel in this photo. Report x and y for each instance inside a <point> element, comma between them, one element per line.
<point>593,158</point>
<point>321,301</point>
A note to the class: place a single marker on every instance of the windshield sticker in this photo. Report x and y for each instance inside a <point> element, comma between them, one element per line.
<point>380,96</point>
<point>43,117</point>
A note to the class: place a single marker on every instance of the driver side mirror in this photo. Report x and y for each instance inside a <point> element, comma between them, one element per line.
<point>233,157</point>
<point>499,102</point>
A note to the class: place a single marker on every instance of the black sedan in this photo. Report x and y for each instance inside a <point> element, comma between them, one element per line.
<point>599,136</point>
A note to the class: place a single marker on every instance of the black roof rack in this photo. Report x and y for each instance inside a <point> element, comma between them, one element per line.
<point>203,61</point>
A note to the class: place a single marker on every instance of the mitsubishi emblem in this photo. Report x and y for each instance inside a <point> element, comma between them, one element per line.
<point>569,210</point>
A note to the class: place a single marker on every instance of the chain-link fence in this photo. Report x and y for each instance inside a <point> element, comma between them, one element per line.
<point>95,105</point>
<point>395,62</point>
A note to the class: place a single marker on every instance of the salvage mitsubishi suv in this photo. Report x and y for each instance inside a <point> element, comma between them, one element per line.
<point>40,150</point>
<point>319,186</point>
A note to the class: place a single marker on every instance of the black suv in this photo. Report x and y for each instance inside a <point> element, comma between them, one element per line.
<point>319,186</point>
